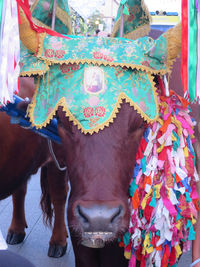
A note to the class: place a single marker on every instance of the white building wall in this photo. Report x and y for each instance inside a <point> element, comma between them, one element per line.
<point>164,5</point>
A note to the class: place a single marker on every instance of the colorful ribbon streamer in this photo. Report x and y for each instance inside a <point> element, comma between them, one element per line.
<point>163,197</point>
<point>190,65</point>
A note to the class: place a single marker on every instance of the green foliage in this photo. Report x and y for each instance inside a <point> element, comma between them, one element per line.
<point>79,26</point>
<point>94,21</point>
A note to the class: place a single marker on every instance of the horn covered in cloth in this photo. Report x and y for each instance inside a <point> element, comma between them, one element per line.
<point>173,36</point>
<point>28,36</point>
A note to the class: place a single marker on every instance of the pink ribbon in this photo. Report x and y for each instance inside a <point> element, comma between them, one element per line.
<point>185,125</point>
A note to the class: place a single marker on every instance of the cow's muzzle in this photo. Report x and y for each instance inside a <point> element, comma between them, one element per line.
<point>100,223</point>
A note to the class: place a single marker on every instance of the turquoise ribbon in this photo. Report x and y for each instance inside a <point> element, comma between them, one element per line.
<point>192,61</point>
<point>125,8</point>
<point>1,10</point>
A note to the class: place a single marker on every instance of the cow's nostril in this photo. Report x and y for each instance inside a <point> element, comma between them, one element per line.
<point>117,214</point>
<point>82,215</point>
<point>99,218</point>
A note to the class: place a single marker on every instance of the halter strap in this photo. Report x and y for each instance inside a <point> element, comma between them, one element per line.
<point>195,262</point>
<point>54,156</point>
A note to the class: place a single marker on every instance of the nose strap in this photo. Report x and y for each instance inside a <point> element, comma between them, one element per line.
<point>195,262</point>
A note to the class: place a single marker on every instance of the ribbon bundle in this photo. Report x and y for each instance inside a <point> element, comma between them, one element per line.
<point>190,54</point>
<point>163,199</point>
<point>9,50</point>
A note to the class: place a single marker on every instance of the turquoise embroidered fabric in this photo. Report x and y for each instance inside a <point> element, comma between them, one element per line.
<point>29,64</point>
<point>91,95</point>
<point>107,51</point>
<point>90,77</point>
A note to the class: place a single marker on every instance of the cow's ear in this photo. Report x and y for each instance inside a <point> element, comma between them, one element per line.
<point>167,47</point>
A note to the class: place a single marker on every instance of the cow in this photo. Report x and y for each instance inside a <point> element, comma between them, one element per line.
<point>24,152</point>
<point>100,168</point>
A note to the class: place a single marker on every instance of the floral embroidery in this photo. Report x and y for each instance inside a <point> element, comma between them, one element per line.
<point>88,112</point>
<point>93,122</point>
<point>59,53</point>
<point>99,55</point>
<point>49,53</point>
<point>65,68</point>
<point>100,111</point>
<point>146,63</point>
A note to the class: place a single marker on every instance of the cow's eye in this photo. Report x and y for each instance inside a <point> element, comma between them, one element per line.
<point>142,125</point>
<point>136,125</point>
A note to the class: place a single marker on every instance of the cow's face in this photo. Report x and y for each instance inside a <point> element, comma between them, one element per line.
<point>100,167</point>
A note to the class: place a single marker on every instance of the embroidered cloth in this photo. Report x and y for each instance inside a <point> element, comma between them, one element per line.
<point>91,95</point>
<point>89,77</point>
<point>107,51</point>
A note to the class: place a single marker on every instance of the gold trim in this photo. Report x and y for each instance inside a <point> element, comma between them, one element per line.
<point>113,115</point>
<point>34,72</point>
<point>105,63</point>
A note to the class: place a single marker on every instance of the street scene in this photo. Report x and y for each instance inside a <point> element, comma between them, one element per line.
<point>100,133</point>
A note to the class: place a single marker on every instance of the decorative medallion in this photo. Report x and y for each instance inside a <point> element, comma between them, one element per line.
<point>94,80</point>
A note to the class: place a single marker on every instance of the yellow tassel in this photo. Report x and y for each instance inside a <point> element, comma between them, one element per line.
<point>186,152</point>
<point>178,250</point>
<point>179,224</point>
<point>144,201</point>
<point>127,255</point>
<point>157,190</point>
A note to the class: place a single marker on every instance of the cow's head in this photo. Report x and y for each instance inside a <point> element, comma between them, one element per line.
<point>100,167</point>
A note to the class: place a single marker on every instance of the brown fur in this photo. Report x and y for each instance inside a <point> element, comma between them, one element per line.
<point>100,168</point>
<point>22,154</point>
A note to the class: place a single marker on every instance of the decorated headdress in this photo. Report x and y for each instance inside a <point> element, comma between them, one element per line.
<point>136,19</point>
<point>74,59</point>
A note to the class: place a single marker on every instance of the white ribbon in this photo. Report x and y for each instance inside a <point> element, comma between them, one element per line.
<point>9,52</point>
